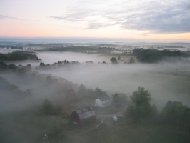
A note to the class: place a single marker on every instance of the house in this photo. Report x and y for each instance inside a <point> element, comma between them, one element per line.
<point>83,115</point>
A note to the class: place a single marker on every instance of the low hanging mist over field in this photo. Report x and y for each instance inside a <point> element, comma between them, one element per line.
<point>52,57</point>
<point>164,81</point>
<point>94,93</point>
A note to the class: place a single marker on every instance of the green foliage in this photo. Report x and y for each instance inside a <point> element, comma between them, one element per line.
<point>55,133</point>
<point>119,100</point>
<point>176,113</point>
<point>104,62</point>
<point>113,60</point>
<point>119,58</point>
<point>147,55</point>
<point>82,90</point>
<point>141,96</point>
<point>3,65</point>
<point>100,94</point>
<point>132,60</point>
<point>86,49</point>
<point>66,61</point>
<point>49,109</point>
<point>18,55</point>
<point>140,107</point>
<point>29,65</point>
<point>12,66</point>
<point>42,64</point>
<point>154,55</point>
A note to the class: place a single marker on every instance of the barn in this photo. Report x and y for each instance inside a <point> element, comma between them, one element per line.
<point>83,115</point>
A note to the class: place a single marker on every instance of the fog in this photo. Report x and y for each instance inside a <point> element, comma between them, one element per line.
<point>166,81</point>
<point>52,57</point>
<point>36,105</point>
<point>33,87</point>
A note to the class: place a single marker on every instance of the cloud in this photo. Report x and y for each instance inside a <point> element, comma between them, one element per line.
<point>7,17</point>
<point>57,17</point>
<point>171,16</point>
<point>76,15</point>
<point>168,19</point>
<point>99,25</point>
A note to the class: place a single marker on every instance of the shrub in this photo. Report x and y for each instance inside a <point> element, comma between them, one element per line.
<point>49,109</point>
<point>119,100</point>
<point>140,107</point>
<point>176,113</point>
<point>113,60</point>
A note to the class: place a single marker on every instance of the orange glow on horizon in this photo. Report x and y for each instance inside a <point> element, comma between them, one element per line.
<point>53,29</point>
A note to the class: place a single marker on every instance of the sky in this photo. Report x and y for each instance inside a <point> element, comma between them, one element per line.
<point>132,19</point>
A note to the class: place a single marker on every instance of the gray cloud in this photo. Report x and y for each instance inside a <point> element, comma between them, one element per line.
<point>170,19</point>
<point>172,16</point>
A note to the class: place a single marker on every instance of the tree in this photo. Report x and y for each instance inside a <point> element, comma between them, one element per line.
<point>140,105</point>
<point>3,65</point>
<point>119,57</point>
<point>113,60</point>
<point>28,66</point>
<point>155,55</point>
<point>42,64</point>
<point>132,60</point>
<point>176,113</point>
<point>104,62</point>
<point>119,99</point>
<point>100,94</point>
<point>49,109</point>
<point>12,66</point>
